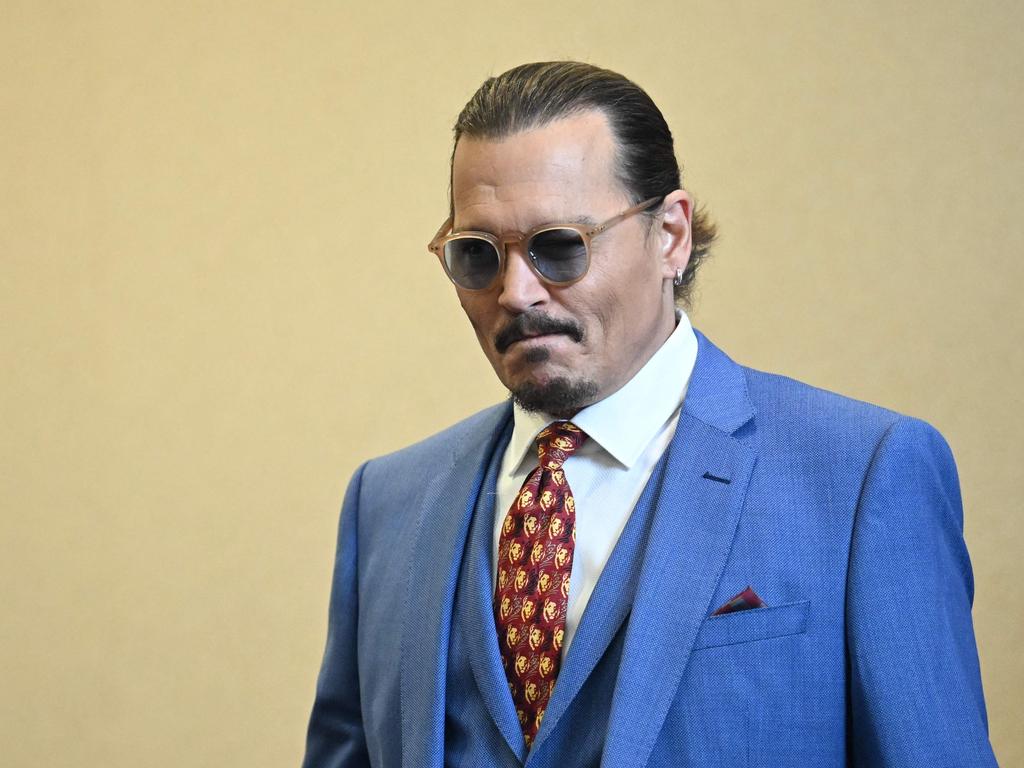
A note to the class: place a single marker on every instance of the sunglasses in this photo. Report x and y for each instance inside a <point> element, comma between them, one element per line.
<point>559,254</point>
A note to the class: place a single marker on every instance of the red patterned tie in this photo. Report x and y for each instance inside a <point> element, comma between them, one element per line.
<point>534,563</point>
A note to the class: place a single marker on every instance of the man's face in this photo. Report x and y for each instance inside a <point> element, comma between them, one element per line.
<point>559,349</point>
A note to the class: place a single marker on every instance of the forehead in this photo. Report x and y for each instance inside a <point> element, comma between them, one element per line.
<point>562,169</point>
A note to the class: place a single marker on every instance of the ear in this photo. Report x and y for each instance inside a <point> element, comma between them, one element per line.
<point>674,232</point>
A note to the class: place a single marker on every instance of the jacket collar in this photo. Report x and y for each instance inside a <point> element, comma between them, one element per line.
<point>717,395</point>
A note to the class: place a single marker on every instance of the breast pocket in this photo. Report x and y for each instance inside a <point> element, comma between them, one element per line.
<point>753,624</point>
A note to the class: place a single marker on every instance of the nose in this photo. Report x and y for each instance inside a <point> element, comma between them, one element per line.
<point>521,289</point>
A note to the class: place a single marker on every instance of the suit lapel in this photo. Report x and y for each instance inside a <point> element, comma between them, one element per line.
<point>445,512</point>
<point>705,478</point>
<point>475,597</point>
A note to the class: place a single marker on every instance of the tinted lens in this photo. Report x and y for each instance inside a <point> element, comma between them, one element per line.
<point>472,262</point>
<point>559,254</point>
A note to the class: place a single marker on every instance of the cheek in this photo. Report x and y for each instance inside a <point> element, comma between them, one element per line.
<point>622,302</point>
<point>481,317</point>
<point>474,309</point>
<point>614,299</point>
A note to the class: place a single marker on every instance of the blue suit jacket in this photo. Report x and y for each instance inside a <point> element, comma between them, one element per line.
<point>844,517</point>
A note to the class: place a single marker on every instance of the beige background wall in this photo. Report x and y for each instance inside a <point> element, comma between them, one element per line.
<point>215,301</point>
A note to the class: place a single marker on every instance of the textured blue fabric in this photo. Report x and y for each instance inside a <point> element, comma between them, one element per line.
<point>845,518</point>
<point>479,711</point>
<point>480,723</point>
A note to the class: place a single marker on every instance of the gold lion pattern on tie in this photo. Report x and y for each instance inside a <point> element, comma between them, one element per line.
<point>534,562</point>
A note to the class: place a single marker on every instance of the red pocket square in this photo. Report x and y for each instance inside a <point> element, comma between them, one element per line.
<point>744,601</point>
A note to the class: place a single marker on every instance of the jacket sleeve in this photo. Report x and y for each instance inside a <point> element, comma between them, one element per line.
<point>915,683</point>
<point>335,737</point>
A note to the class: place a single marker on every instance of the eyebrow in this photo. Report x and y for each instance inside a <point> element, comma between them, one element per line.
<point>585,221</point>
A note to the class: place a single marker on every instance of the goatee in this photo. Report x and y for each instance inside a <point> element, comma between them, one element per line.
<point>560,397</point>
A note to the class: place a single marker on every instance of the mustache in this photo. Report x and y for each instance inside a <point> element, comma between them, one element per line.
<point>535,324</point>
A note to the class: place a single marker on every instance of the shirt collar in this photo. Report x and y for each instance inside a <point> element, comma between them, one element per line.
<point>626,421</point>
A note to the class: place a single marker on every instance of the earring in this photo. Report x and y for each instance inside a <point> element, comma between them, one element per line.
<point>678,280</point>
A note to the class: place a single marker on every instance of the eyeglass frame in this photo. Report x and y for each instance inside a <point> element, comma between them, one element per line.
<point>440,240</point>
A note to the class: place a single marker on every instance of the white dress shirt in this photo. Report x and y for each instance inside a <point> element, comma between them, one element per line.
<point>627,433</point>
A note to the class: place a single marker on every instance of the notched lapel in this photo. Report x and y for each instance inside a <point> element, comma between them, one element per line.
<point>704,485</point>
<point>691,536</point>
<point>442,524</point>
<point>476,599</point>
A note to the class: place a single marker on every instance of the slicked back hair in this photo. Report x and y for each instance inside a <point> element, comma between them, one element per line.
<point>533,95</point>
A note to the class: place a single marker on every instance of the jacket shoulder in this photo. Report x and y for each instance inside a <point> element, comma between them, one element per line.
<point>794,412</point>
<point>776,394</point>
<point>441,445</point>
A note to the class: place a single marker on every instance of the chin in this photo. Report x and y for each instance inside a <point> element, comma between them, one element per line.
<point>559,396</point>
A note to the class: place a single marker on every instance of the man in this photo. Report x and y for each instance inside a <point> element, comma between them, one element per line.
<point>654,556</point>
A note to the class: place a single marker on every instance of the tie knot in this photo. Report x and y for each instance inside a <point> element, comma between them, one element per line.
<point>557,442</point>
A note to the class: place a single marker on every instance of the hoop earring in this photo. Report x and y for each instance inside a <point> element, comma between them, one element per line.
<point>678,279</point>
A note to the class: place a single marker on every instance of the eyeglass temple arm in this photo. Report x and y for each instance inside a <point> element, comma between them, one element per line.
<point>624,215</point>
<point>432,245</point>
